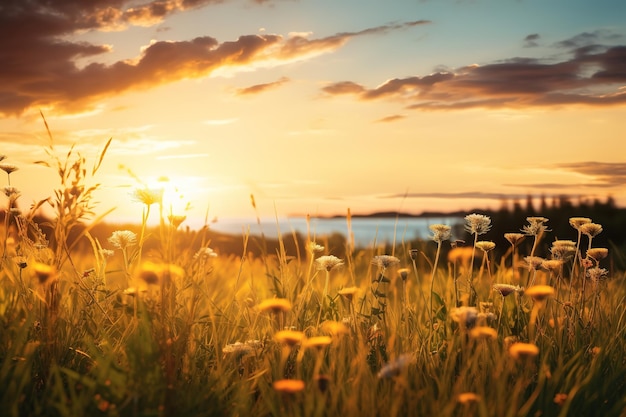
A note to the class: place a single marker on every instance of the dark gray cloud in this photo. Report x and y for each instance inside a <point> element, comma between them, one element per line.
<point>592,75</point>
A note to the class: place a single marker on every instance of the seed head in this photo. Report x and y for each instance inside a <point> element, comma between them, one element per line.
<point>576,222</point>
<point>506,289</point>
<point>514,238</point>
<point>598,253</point>
<point>535,226</point>
<point>385,261</point>
<point>485,245</point>
<point>590,229</point>
<point>328,262</point>
<point>441,232</point>
<point>122,239</point>
<point>477,224</point>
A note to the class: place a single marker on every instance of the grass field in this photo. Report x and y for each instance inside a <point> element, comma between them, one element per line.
<point>157,322</point>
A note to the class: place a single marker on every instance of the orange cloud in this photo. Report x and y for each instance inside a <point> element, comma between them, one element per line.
<point>39,69</point>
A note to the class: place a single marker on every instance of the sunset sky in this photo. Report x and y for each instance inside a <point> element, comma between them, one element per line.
<point>318,106</point>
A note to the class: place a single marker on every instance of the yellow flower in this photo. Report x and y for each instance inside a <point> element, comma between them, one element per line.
<point>289,337</point>
<point>539,292</point>
<point>348,293</point>
<point>335,328</point>
<point>483,332</point>
<point>467,398</point>
<point>288,386</point>
<point>275,305</point>
<point>44,272</point>
<point>317,342</point>
<point>485,245</point>
<point>520,350</point>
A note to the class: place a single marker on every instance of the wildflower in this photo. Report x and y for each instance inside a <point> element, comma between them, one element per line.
<point>553,265</point>
<point>467,398</point>
<point>441,232</point>
<point>11,192</point>
<point>514,238</point>
<point>483,332</point>
<point>275,305</point>
<point>289,337</point>
<point>576,222</point>
<point>317,342</point>
<point>477,224</point>
<point>20,261</point>
<point>44,272</point>
<point>175,220</point>
<point>596,274</point>
<point>485,245</point>
<point>348,293</point>
<point>598,253</point>
<point>335,328</point>
<point>394,368</point>
<point>520,350</point>
<point>506,289</point>
<point>563,249</point>
<point>288,386</point>
<point>590,229</point>
<point>539,292</point>
<point>8,168</point>
<point>148,196</point>
<point>385,261</point>
<point>533,262</point>
<point>313,247</point>
<point>535,226</point>
<point>123,239</point>
<point>465,316</point>
<point>328,262</point>
<point>205,253</point>
<point>150,273</point>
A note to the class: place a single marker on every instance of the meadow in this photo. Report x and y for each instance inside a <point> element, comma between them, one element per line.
<point>160,321</point>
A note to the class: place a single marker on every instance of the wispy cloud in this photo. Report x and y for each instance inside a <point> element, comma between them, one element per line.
<point>592,74</point>
<point>40,59</point>
<point>261,88</point>
<point>392,118</point>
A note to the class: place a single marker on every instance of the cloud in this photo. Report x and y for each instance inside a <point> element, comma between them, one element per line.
<point>39,54</point>
<point>392,118</point>
<point>592,74</point>
<point>530,41</point>
<point>261,88</point>
<point>604,174</point>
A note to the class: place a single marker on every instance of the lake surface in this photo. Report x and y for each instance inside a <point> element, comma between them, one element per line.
<point>366,230</point>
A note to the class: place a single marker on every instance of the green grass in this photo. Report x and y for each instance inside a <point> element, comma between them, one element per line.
<point>75,341</point>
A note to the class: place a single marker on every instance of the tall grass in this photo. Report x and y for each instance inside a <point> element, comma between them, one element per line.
<point>177,331</point>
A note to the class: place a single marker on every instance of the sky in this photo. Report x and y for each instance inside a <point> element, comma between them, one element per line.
<point>315,107</point>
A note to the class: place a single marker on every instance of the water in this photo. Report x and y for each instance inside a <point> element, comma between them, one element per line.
<point>366,230</point>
